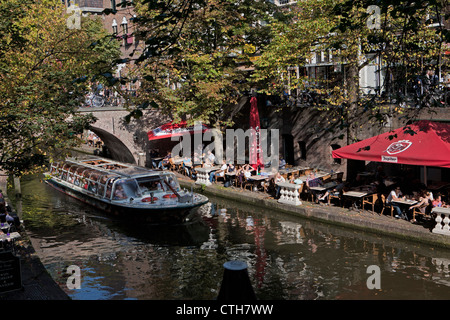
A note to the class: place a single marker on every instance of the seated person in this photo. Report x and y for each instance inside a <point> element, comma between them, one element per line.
<point>336,191</point>
<point>312,181</point>
<point>172,184</point>
<point>248,169</point>
<point>119,193</point>
<point>437,202</point>
<point>9,219</point>
<point>221,172</point>
<point>424,200</point>
<point>290,178</point>
<point>278,179</point>
<point>297,179</point>
<point>244,172</point>
<point>154,154</point>
<point>209,160</point>
<point>282,163</point>
<point>396,194</point>
<point>163,164</point>
<point>207,163</point>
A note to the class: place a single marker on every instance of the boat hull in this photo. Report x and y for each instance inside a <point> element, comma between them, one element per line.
<point>128,211</point>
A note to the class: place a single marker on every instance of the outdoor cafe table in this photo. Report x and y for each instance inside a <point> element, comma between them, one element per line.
<point>322,188</point>
<point>257,179</point>
<point>325,187</point>
<point>357,196</point>
<point>404,204</point>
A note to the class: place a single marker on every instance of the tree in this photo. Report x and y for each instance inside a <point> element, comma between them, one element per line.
<point>400,37</point>
<point>197,53</point>
<point>45,68</point>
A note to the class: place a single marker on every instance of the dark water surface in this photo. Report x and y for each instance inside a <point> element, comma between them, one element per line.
<point>288,258</point>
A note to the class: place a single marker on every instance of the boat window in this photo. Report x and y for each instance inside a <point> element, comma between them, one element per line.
<point>109,188</point>
<point>148,185</point>
<point>54,169</point>
<point>124,189</point>
<point>105,182</point>
<point>70,178</point>
<point>171,180</point>
<point>101,190</point>
<point>78,176</point>
<point>91,186</point>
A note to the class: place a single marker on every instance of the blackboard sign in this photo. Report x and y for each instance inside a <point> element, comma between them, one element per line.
<point>10,274</point>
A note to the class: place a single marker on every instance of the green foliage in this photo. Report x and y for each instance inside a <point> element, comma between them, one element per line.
<point>197,54</point>
<point>44,71</point>
<point>404,43</point>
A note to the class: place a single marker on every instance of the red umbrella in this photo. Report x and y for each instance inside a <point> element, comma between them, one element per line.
<point>173,130</point>
<point>423,143</point>
<point>256,158</point>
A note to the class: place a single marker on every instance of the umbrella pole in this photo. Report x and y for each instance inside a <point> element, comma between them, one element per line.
<point>425,178</point>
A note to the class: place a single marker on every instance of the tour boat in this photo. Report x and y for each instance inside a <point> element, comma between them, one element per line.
<point>124,189</point>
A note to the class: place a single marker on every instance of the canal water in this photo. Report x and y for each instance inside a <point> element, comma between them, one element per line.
<point>288,258</point>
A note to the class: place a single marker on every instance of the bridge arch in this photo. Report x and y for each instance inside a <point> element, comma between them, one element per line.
<point>117,149</point>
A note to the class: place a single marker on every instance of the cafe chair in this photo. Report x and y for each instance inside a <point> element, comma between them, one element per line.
<point>422,210</point>
<point>309,194</point>
<point>370,200</point>
<point>218,176</point>
<point>247,184</point>
<point>172,165</point>
<point>238,182</point>
<point>386,205</point>
<point>335,195</point>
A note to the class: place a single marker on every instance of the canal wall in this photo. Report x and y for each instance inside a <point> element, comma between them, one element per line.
<point>37,283</point>
<point>362,220</point>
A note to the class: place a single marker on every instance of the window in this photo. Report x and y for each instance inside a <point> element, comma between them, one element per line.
<point>124,25</point>
<point>114,27</point>
<point>302,147</point>
<point>113,5</point>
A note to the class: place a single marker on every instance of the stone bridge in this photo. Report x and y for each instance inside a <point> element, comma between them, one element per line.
<point>126,142</point>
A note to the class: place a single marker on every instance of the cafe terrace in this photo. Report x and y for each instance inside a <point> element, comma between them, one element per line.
<point>423,143</point>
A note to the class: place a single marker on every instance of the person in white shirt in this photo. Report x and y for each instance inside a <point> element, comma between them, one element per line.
<point>278,179</point>
<point>396,194</point>
<point>211,157</point>
<point>221,172</point>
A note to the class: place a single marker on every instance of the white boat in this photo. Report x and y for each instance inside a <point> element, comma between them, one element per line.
<point>125,190</point>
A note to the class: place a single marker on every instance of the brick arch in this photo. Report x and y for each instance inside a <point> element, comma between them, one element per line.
<point>118,150</point>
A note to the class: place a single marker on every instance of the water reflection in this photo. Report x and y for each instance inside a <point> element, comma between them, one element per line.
<point>288,258</point>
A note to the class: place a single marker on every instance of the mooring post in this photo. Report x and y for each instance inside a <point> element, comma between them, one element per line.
<point>236,283</point>
<point>17,187</point>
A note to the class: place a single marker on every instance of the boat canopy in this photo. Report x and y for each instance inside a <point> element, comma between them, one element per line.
<point>113,181</point>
